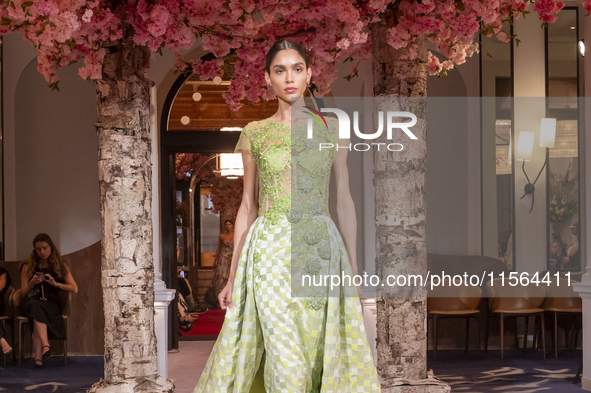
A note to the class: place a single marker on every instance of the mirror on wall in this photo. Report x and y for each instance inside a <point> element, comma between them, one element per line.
<point>497,133</point>
<point>563,159</point>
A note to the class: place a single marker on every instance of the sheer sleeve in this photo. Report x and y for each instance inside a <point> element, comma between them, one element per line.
<point>244,142</point>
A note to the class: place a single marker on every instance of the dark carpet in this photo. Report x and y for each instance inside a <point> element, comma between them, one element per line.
<point>516,373</point>
<point>79,375</point>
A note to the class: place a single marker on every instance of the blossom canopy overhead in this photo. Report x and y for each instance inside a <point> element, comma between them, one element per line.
<point>239,32</point>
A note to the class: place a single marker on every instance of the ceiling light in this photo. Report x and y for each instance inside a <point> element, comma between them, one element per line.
<point>196,96</point>
<point>230,165</point>
<point>186,120</point>
<point>217,80</point>
<point>231,129</point>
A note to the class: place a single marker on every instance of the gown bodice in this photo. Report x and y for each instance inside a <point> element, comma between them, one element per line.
<point>293,172</point>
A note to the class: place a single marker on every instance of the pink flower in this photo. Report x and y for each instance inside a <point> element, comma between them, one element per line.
<point>501,36</point>
<point>343,44</point>
<point>87,17</point>
<point>159,17</point>
<point>433,64</point>
<point>448,65</point>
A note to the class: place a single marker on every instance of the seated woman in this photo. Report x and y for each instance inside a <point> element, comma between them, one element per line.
<point>4,284</point>
<point>43,276</point>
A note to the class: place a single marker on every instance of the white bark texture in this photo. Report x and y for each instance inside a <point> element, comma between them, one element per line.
<point>125,195</point>
<point>401,247</point>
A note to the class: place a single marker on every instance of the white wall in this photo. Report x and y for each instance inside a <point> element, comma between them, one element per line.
<point>56,161</point>
<point>453,161</point>
<point>16,55</point>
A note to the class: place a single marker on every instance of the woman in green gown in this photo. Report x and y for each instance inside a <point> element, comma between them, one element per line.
<point>308,339</point>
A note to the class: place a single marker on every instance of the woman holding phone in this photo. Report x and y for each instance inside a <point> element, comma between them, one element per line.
<point>43,275</point>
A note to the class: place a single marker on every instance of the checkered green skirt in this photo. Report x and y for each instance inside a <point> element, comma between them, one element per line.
<point>310,344</point>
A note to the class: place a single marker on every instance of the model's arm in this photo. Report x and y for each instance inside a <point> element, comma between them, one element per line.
<point>346,208</point>
<point>247,212</point>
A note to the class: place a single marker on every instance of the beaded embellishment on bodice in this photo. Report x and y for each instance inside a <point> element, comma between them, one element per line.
<point>293,171</point>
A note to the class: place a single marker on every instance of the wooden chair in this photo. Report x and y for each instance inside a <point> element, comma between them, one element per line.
<point>66,298</point>
<point>516,301</point>
<point>561,299</point>
<point>454,302</point>
<point>4,319</point>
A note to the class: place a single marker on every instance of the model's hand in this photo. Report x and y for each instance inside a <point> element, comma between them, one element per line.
<point>50,279</point>
<point>359,291</point>
<point>225,296</point>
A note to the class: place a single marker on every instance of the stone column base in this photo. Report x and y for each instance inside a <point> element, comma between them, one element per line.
<point>138,385</point>
<point>417,389</point>
<point>431,384</point>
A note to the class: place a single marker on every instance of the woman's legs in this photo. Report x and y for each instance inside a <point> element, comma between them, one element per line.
<point>39,340</point>
<point>4,345</point>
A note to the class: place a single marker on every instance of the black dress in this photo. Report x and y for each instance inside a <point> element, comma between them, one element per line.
<point>46,307</point>
<point>2,293</point>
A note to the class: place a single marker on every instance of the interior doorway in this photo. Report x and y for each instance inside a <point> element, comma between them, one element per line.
<point>198,127</point>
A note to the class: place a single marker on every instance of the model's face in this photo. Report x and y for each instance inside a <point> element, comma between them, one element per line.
<point>43,250</point>
<point>289,76</point>
<point>555,247</point>
<point>229,227</point>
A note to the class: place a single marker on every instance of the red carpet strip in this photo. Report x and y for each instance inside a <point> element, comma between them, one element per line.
<point>207,327</point>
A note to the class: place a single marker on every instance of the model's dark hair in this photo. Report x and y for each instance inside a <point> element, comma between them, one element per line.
<point>230,221</point>
<point>284,45</point>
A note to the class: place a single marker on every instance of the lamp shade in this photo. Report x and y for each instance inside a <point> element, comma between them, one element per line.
<point>525,145</point>
<point>547,132</point>
<point>231,164</point>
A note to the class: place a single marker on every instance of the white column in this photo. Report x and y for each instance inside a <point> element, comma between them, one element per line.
<point>368,301</point>
<point>162,295</point>
<point>584,288</point>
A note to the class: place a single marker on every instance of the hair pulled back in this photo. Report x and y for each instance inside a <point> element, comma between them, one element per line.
<point>284,45</point>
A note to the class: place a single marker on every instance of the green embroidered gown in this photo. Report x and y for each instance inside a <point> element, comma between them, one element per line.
<point>312,337</point>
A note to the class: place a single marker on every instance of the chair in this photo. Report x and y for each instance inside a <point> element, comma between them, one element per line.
<point>9,317</point>
<point>66,298</point>
<point>562,299</point>
<point>515,301</point>
<point>454,302</point>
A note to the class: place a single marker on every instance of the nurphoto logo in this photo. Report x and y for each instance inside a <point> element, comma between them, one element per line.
<point>391,120</point>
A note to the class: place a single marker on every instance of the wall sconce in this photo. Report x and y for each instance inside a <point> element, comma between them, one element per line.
<point>525,145</point>
<point>582,47</point>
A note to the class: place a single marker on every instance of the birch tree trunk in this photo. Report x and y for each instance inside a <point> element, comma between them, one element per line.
<point>400,203</point>
<point>125,197</point>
